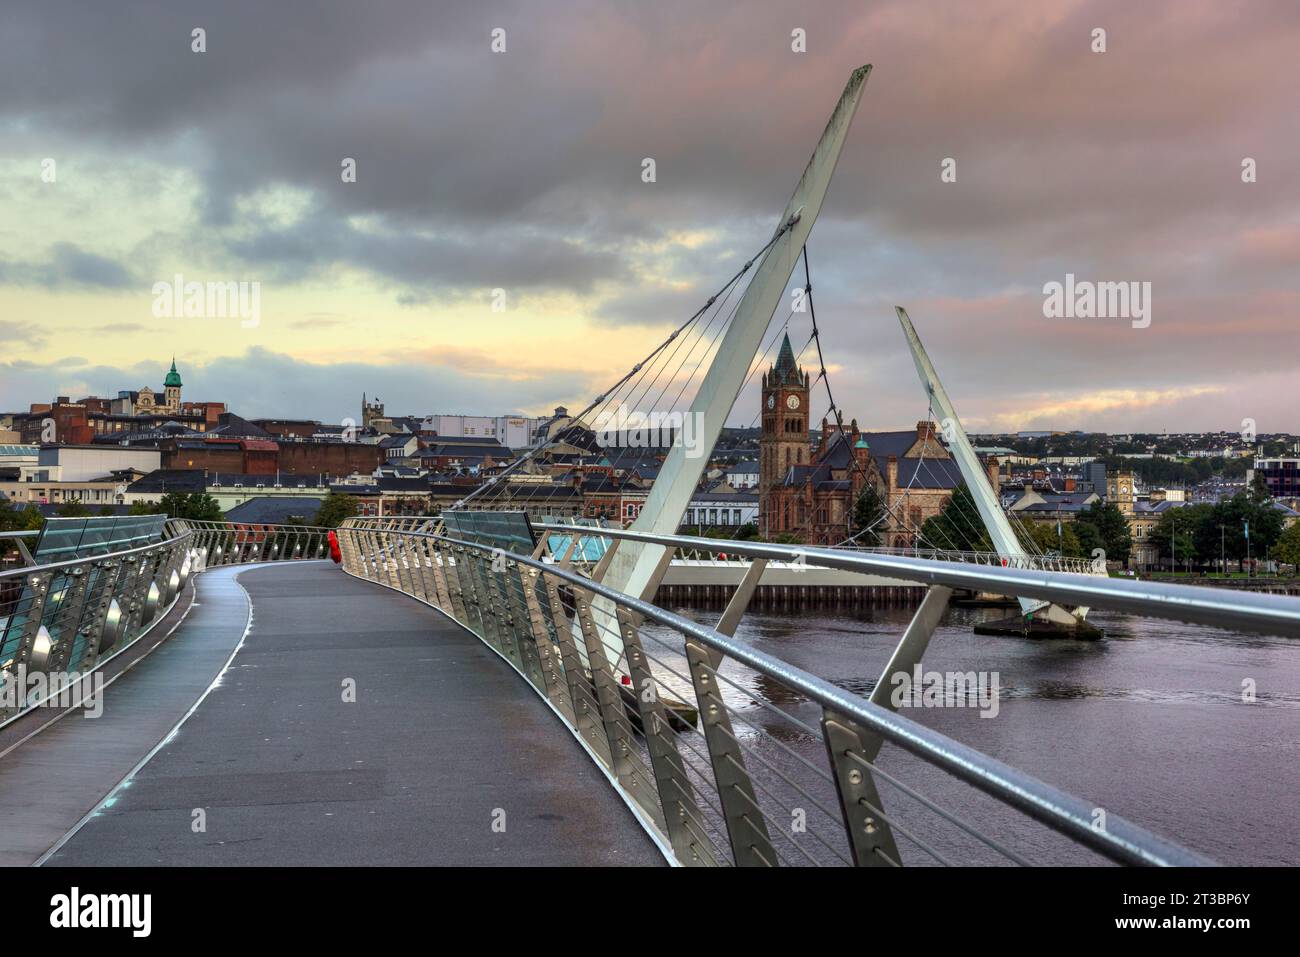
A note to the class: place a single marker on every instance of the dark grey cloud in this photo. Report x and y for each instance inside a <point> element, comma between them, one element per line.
<point>428,264</point>
<point>68,267</point>
<point>522,169</point>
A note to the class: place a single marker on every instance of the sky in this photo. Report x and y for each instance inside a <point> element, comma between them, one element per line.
<point>521,171</point>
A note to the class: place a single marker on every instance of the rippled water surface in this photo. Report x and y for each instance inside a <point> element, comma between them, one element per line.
<point>1148,723</point>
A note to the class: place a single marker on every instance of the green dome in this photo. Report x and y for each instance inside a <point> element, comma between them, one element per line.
<point>862,444</point>
<point>173,377</point>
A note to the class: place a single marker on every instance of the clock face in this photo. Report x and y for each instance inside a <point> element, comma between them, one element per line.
<point>792,401</point>
<point>771,402</point>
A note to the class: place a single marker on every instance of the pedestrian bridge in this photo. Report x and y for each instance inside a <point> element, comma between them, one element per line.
<point>438,700</point>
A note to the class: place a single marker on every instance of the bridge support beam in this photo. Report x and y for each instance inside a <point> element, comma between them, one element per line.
<point>1046,616</point>
<point>632,567</point>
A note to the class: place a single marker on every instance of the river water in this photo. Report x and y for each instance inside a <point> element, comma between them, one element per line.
<point>1148,723</point>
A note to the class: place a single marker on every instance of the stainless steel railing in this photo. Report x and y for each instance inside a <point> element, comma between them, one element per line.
<point>61,620</point>
<point>726,552</point>
<point>729,755</point>
<point>1251,611</point>
<point>232,543</point>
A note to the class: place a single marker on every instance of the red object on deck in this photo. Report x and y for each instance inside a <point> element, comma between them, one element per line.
<point>334,548</point>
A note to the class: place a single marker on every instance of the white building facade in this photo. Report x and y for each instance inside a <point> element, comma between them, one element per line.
<point>512,431</point>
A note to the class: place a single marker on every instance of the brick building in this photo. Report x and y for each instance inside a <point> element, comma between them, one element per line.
<point>810,494</point>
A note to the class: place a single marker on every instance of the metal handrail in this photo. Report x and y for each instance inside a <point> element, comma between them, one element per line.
<point>1251,611</point>
<point>1064,563</point>
<point>392,557</point>
<point>1082,566</point>
<point>69,617</point>
<point>72,563</point>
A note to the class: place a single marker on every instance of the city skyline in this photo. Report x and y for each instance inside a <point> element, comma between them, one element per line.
<point>529,180</point>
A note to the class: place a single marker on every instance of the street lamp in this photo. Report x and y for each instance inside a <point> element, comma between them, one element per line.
<point>1245,523</point>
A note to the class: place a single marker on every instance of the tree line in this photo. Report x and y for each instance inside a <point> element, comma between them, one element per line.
<point>1246,525</point>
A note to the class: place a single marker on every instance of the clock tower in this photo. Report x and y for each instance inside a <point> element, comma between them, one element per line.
<point>784,440</point>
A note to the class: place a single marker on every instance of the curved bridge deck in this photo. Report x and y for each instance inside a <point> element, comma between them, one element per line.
<point>442,741</point>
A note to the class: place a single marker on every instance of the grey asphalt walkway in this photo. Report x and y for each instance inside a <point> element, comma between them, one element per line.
<point>443,740</point>
<point>56,766</point>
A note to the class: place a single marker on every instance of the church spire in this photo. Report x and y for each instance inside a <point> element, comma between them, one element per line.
<point>785,365</point>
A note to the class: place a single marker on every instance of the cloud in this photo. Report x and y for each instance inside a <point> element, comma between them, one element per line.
<point>16,335</point>
<point>68,267</point>
<point>522,170</point>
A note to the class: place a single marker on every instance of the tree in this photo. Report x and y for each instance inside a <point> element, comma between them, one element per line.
<point>334,508</point>
<point>958,526</point>
<point>867,514</point>
<point>14,519</point>
<point>1287,547</point>
<point>1111,527</point>
<point>72,509</point>
<point>11,520</point>
<point>1044,537</point>
<point>197,506</point>
<point>202,507</point>
<point>31,518</point>
<point>1244,511</point>
<point>1181,534</point>
<point>1259,492</point>
<point>1089,539</point>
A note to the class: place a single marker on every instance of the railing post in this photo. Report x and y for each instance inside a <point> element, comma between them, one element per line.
<point>627,764</point>
<point>137,591</point>
<point>751,845</point>
<point>551,661</point>
<point>470,594</point>
<point>514,583</point>
<point>682,817</point>
<point>348,552</point>
<point>174,556</point>
<point>425,583</point>
<point>71,608</point>
<point>374,558</point>
<point>586,708</point>
<point>442,592</point>
<point>491,570</point>
<point>39,586</point>
<point>459,607</point>
<point>870,838</point>
<point>392,566</point>
<point>852,748</point>
<point>106,580</point>
<point>401,563</point>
